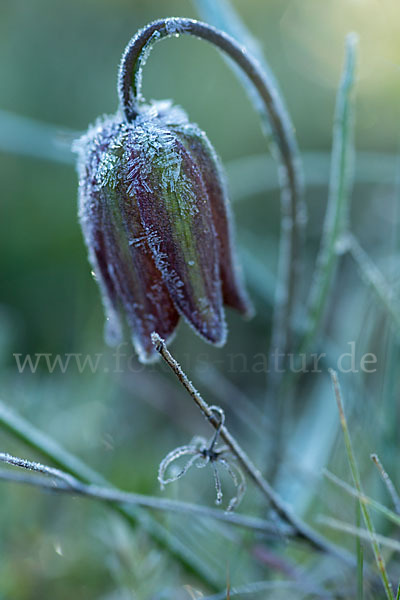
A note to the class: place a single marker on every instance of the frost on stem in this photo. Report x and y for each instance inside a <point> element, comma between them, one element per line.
<point>201,453</point>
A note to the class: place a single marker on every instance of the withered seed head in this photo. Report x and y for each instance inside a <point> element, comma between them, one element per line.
<point>155,217</point>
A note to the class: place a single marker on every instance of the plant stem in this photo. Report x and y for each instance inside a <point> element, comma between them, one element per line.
<point>68,484</point>
<point>222,14</point>
<point>301,529</point>
<point>293,213</point>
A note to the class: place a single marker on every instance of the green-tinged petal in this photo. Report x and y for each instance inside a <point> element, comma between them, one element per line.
<point>122,262</point>
<point>208,163</point>
<point>176,215</point>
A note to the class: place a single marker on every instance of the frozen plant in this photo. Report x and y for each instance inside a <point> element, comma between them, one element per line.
<point>203,453</point>
<point>155,216</point>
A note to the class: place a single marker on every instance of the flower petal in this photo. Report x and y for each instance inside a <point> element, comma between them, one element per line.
<point>121,259</point>
<point>177,219</point>
<point>204,155</point>
<point>144,297</point>
<point>90,214</point>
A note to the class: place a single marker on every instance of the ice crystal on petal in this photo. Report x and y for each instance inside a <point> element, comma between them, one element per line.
<point>155,217</point>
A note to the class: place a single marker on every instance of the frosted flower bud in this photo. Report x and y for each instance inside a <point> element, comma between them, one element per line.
<point>155,217</point>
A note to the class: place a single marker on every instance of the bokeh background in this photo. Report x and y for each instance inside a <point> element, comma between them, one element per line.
<point>58,67</point>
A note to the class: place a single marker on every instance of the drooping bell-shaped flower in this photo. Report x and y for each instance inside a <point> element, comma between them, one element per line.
<point>155,217</point>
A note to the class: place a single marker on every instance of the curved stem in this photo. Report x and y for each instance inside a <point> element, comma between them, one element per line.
<point>129,90</point>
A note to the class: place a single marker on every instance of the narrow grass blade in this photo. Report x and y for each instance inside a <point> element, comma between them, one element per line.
<point>374,278</point>
<point>360,559</point>
<point>381,508</point>
<point>338,200</point>
<point>388,482</point>
<point>248,175</point>
<point>258,587</point>
<point>357,482</point>
<point>254,175</point>
<point>28,137</point>
<point>61,458</point>
<point>363,534</point>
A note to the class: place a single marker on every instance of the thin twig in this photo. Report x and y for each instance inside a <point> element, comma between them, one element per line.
<point>388,482</point>
<point>301,529</point>
<point>228,394</point>
<point>65,483</point>
<point>38,467</point>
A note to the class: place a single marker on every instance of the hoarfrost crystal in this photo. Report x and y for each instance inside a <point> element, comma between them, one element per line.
<point>155,217</point>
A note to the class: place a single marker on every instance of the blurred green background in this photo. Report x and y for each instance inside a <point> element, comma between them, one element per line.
<point>58,65</point>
